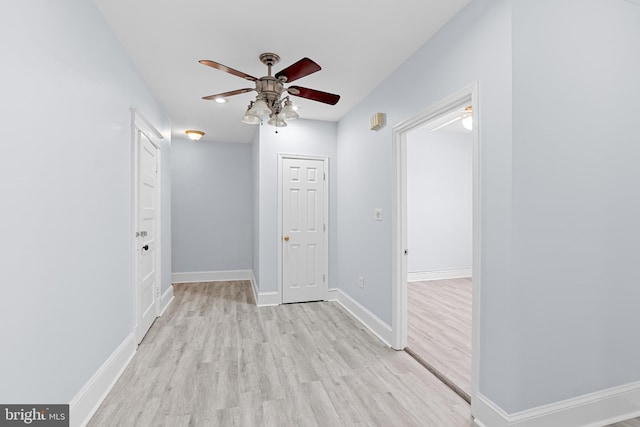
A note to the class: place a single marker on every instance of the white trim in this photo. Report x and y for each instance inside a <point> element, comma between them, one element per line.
<point>590,410</point>
<point>269,298</point>
<point>264,299</point>
<point>86,402</point>
<point>143,124</point>
<point>364,316</point>
<point>254,287</point>
<point>158,252</point>
<point>325,169</point>
<point>423,276</point>
<point>211,276</point>
<point>332,294</point>
<point>140,124</point>
<point>165,300</point>
<point>399,271</point>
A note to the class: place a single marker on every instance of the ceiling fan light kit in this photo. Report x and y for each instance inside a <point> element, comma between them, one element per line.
<point>270,101</point>
<point>250,118</point>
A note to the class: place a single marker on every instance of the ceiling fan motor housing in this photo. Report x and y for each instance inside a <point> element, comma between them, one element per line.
<point>270,89</point>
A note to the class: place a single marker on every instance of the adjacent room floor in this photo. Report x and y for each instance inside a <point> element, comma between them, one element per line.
<point>215,359</point>
<point>439,329</point>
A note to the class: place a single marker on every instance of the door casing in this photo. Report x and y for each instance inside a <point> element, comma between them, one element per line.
<point>325,170</point>
<point>140,124</point>
<point>399,273</point>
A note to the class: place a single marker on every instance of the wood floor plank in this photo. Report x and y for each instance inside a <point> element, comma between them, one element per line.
<point>439,327</point>
<point>629,423</point>
<point>215,359</point>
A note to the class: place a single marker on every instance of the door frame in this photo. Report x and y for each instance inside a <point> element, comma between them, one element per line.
<point>325,171</point>
<point>140,124</point>
<point>399,271</point>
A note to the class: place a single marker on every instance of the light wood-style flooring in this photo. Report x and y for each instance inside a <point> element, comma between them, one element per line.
<point>630,423</point>
<point>439,328</point>
<point>215,359</point>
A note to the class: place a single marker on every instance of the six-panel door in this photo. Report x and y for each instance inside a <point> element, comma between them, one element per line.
<point>303,228</point>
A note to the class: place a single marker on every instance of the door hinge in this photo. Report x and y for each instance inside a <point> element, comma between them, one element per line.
<point>324,227</point>
<point>324,176</point>
<point>158,291</point>
<point>324,279</point>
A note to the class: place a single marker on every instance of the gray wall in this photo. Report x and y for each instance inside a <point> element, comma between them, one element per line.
<point>576,147</point>
<point>65,180</point>
<point>309,137</point>
<point>255,236</point>
<point>439,200</point>
<point>474,46</point>
<point>212,206</point>
<point>558,176</point>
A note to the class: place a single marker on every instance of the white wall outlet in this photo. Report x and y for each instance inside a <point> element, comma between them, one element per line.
<point>377,214</point>
<point>361,281</point>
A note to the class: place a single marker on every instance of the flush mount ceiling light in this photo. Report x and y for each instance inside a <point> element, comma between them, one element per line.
<point>194,135</point>
<point>270,101</point>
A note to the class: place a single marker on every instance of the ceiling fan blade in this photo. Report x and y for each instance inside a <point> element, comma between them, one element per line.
<point>225,94</point>
<point>227,69</point>
<point>302,68</point>
<point>315,95</point>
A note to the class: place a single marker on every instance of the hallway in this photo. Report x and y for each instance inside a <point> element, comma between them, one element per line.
<point>215,359</point>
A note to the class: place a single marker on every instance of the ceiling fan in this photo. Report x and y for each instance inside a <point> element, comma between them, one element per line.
<point>269,101</point>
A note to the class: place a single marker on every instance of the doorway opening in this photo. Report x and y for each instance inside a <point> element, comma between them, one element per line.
<point>436,240</point>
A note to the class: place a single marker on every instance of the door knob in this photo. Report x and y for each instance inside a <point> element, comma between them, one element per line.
<point>286,238</point>
<point>145,248</point>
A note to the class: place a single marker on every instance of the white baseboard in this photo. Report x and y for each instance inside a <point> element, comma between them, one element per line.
<point>86,402</point>
<point>254,287</point>
<point>263,299</point>
<point>332,294</point>
<point>165,300</point>
<point>423,276</point>
<point>591,410</point>
<point>362,314</point>
<point>211,276</point>
<point>268,298</point>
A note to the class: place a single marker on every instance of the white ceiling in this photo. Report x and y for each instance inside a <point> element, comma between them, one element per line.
<point>357,42</point>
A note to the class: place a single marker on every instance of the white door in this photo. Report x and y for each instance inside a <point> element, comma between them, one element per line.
<point>147,213</point>
<point>303,228</point>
